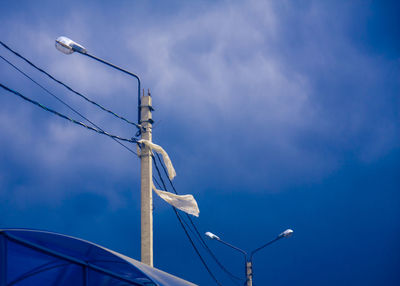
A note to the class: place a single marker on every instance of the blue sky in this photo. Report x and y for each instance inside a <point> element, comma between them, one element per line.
<point>275,114</point>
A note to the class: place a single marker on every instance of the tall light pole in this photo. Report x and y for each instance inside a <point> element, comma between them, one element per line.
<point>249,258</point>
<point>67,46</point>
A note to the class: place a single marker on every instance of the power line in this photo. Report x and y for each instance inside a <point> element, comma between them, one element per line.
<point>185,230</point>
<point>66,86</point>
<point>115,138</point>
<point>133,140</point>
<point>119,138</point>
<point>199,236</point>
<point>63,102</point>
<point>184,221</point>
<point>187,234</point>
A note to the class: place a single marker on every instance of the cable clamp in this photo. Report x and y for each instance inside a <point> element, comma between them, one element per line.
<point>148,106</point>
<point>151,121</point>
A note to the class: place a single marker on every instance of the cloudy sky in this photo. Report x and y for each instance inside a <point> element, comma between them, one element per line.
<point>275,114</point>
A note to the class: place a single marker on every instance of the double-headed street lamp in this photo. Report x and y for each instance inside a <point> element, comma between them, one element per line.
<point>67,46</point>
<point>249,257</point>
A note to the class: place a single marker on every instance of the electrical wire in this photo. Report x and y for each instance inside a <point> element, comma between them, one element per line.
<point>67,87</point>
<point>115,138</point>
<point>185,230</point>
<point>119,138</point>
<point>63,102</point>
<point>132,140</point>
<point>184,221</point>
<point>198,235</point>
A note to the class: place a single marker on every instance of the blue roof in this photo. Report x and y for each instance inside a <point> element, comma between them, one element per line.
<point>31,257</point>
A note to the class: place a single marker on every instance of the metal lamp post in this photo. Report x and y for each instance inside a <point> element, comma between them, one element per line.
<point>68,46</point>
<point>249,258</point>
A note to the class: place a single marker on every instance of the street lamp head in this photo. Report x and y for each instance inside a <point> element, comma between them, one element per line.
<point>286,233</point>
<point>211,235</point>
<point>67,46</point>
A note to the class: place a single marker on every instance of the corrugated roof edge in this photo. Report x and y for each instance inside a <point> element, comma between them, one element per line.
<point>162,278</point>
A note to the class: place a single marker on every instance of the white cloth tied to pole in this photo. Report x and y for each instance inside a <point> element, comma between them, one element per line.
<point>160,150</point>
<point>185,203</point>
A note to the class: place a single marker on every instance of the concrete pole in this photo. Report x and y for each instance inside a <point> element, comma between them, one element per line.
<point>249,273</point>
<point>146,174</point>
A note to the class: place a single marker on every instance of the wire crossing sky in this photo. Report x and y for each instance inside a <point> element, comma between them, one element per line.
<point>184,225</point>
<point>63,116</point>
<point>96,129</point>
<point>275,115</point>
<point>66,86</point>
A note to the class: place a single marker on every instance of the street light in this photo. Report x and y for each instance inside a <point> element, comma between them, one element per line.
<point>249,258</point>
<point>211,235</point>
<point>68,46</point>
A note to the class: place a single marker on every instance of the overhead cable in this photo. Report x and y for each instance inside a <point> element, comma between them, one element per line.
<point>67,87</point>
<point>198,235</point>
<point>132,140</point>
<point>184,229</point>
<point>184,221</point>
<point>115,138</point>
<point>63,102</point>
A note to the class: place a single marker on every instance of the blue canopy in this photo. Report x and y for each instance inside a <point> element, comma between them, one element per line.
<point>31,257</point>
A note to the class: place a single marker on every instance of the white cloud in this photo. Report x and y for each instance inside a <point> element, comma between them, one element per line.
<point>236,74</point>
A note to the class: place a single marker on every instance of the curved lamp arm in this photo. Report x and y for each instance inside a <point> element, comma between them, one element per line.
<point>67,46</point>
<point>213,236</point>
<point>286,233</point>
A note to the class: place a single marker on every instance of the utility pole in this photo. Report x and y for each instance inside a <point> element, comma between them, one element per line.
<point>249,273</point>
<point>146,174</point>
<point>67,46</point>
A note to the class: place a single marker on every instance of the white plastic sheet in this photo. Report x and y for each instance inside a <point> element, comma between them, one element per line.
<point>160,150</point>
<point>185,203</point>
